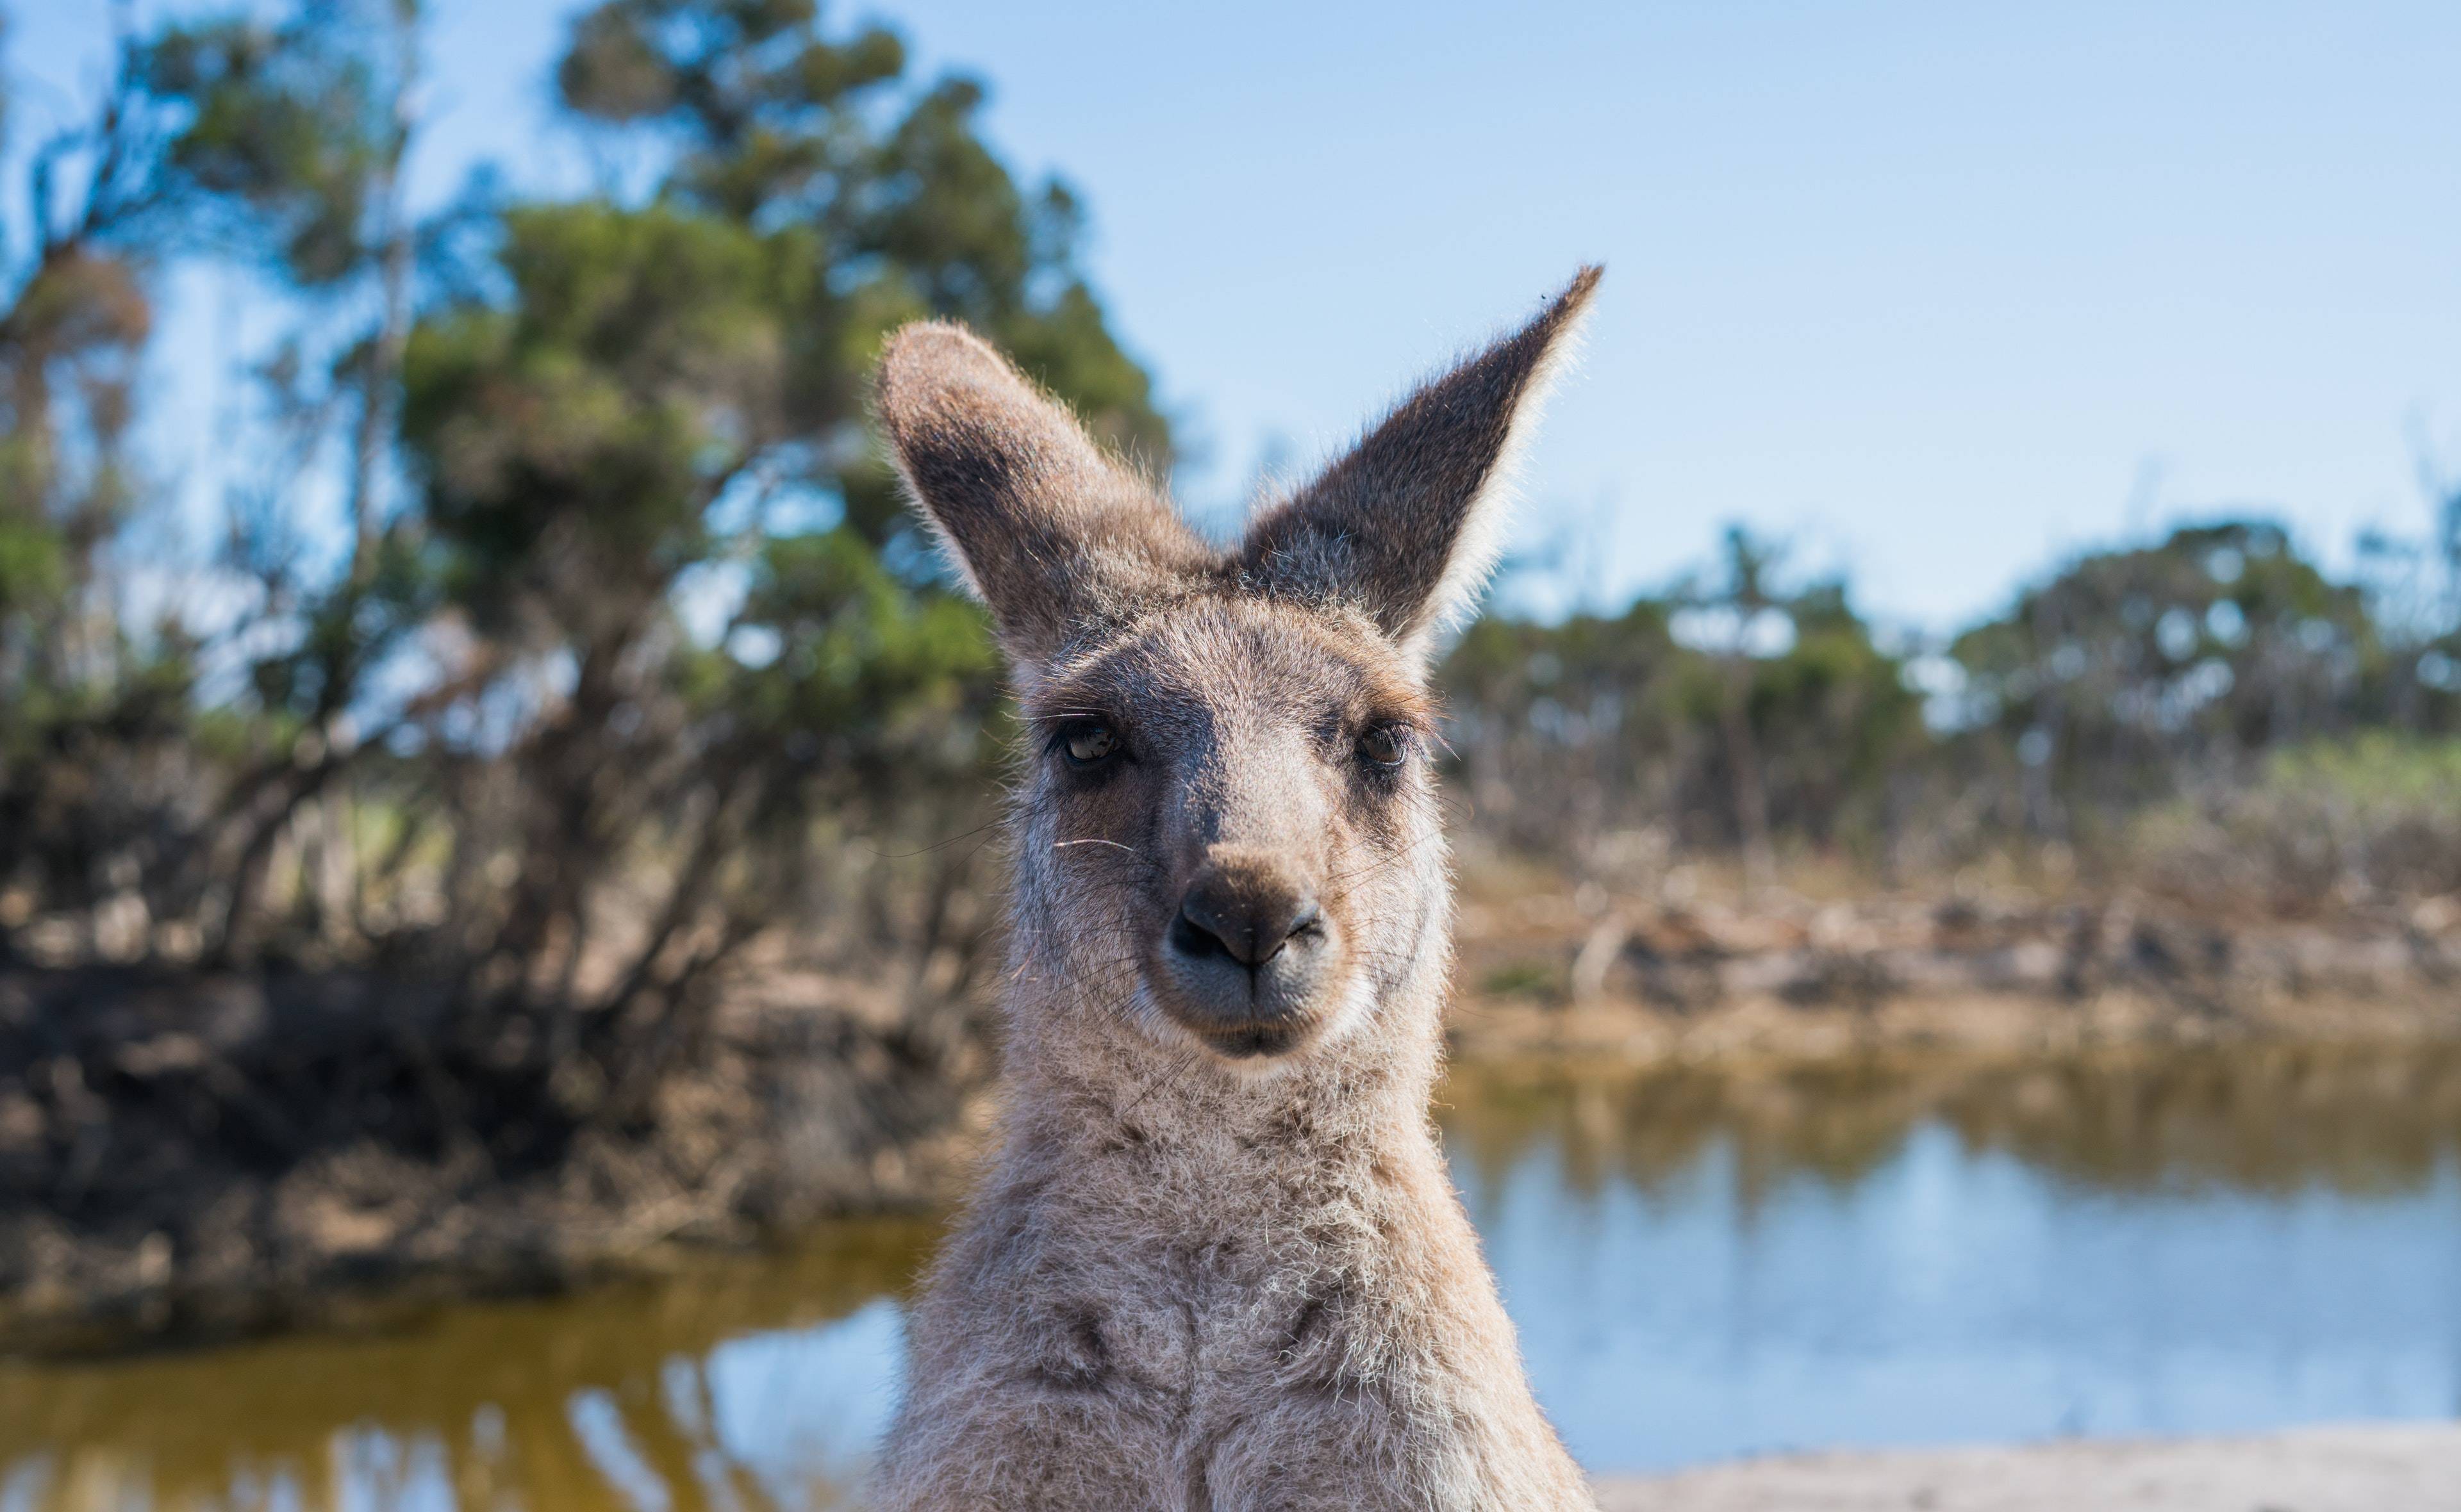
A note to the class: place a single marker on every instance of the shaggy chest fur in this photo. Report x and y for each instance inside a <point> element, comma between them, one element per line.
<point>1200,1255</point>
<point>1258,1298</point>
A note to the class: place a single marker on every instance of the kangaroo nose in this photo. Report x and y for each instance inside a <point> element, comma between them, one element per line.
<point>1245,917</point>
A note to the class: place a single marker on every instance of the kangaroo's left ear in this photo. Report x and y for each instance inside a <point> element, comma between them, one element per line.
<point>1408,525</point>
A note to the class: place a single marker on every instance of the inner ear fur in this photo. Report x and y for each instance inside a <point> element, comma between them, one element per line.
<point>1051,533</point>
<point>1407,526</point>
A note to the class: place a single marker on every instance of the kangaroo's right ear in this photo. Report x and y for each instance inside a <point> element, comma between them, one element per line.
<point>1048,531</point>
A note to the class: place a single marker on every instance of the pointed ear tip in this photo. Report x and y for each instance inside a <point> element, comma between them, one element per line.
<point>924,341</point>
<point>927,357</point>
<point>1577,294</point>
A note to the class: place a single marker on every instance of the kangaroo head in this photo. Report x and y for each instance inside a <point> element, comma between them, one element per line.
<point>1228,830</point>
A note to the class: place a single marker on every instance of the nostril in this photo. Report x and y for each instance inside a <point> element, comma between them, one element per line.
<point>1249,931</point>
<point>1275,927</point>
<point>1190,937</point>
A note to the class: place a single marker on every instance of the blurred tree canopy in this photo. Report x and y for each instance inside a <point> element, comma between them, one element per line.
<point>1735,709</point>
<point>633,637</point>
<point>2221,642</point>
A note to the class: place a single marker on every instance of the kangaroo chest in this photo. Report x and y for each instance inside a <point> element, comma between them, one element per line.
<point>1181,1303</point>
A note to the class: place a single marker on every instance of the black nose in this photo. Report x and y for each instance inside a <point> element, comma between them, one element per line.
<point>1244,917</point>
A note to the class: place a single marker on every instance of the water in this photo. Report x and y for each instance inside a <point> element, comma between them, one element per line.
<point>1913,1251</point>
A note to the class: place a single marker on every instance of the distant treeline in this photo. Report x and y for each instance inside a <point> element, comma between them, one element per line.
<point>2215,669</point>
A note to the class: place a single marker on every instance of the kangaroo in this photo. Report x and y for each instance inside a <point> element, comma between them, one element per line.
<point>1216,1262</point>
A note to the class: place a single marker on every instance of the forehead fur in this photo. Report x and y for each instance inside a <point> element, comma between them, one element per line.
<point>1227,650</point>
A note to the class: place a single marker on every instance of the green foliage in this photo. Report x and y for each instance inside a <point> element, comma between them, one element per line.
<point>1833,716</point>
<point>1538,979</point>
<point>776,124</point>
<point>2107,681</point>
<point>769,108</point>
<point>644,359</point>
<point>288,121</point>
<point>2379,771</point>
<point>855,644</point>
<point>1740,704</point>
<point>641,404</point>
<point>1572,732</point>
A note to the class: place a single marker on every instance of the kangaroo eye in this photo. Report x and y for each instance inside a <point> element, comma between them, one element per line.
<point>1385,745</point>
<point>1088,742</point>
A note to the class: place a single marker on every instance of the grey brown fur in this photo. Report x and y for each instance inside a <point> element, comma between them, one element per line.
<point>1216,1262</point>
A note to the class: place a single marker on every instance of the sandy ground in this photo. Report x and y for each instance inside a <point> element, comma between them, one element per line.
<point>2375,1469</point>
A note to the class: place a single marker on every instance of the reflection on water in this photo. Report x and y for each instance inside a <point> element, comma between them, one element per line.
<point>745,1382</point>
<point>1708,1266</point>
<point>1701,1264</point>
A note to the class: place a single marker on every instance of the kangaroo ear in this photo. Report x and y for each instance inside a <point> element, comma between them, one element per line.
<point>1045,529</point>
<point>1407,526</point>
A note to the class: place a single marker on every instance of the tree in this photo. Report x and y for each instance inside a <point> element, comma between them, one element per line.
<point>567,433</point>
<point>289,160</point>
<point>669,393</point>
<point>75,317</point>
<point>1733,609</point>
<point>1764,708</point>
<point>2129,671</point>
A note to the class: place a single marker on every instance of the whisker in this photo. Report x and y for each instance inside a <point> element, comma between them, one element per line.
<point>1378,864</point>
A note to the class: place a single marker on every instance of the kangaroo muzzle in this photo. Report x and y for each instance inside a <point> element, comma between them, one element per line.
<point>1247,954</point>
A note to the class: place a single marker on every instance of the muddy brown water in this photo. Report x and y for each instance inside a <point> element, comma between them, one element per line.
<point>1703,1264</point>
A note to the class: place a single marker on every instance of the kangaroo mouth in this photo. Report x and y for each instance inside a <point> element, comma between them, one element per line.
<point>1252,1041</point>
<point>1252,1030</point>
<point>1241,1014</point>
<point>1241,1019</point>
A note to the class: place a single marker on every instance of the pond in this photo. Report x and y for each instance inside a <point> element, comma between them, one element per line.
<point>1702,1264</point>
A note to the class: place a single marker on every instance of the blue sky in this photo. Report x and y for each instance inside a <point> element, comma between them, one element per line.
<point>1940,291</point>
